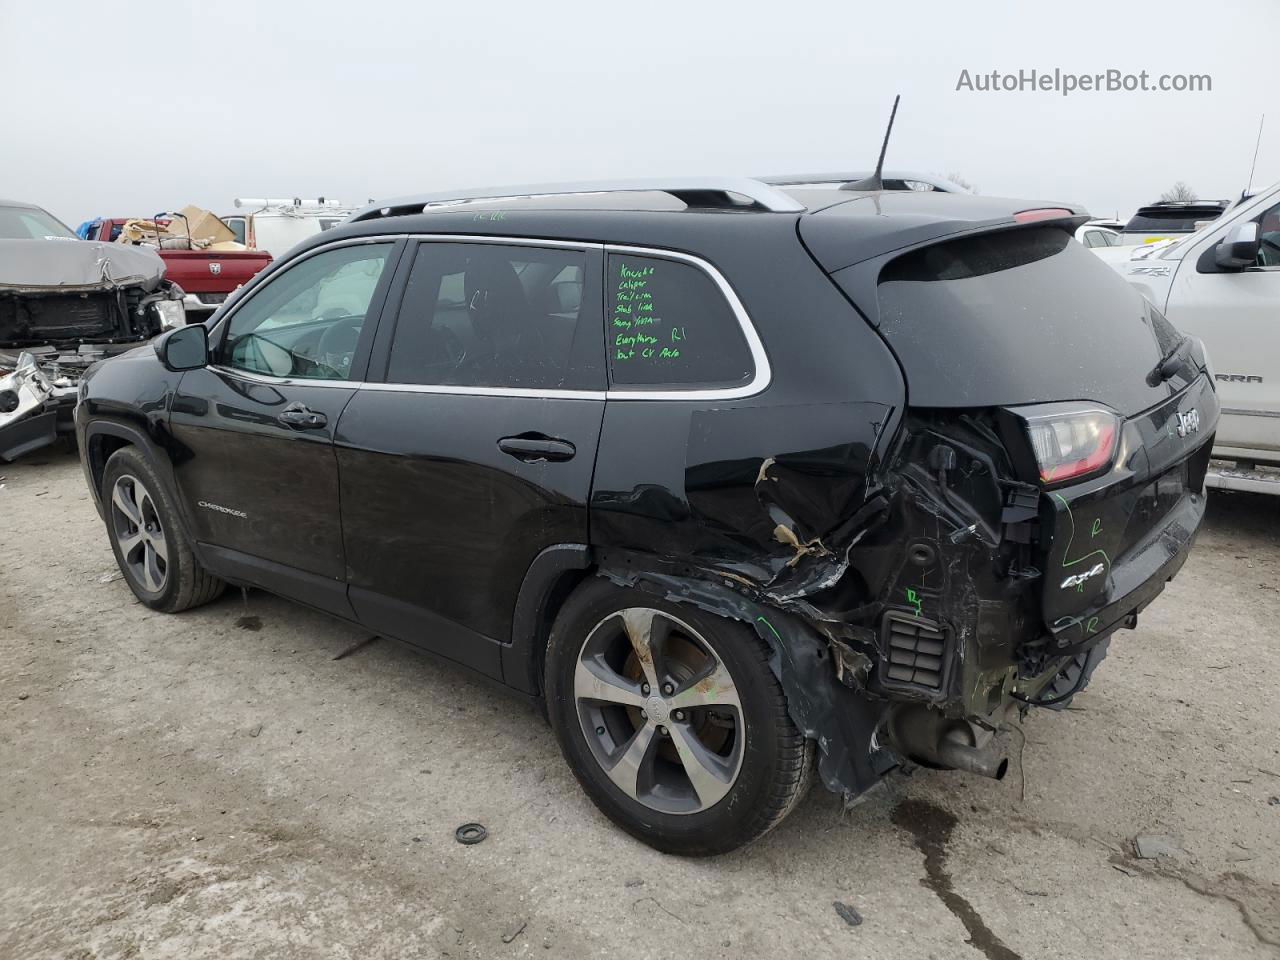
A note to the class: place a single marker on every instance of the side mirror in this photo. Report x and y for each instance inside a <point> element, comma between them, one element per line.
<point>1239,248</point>
<point>186,348</point>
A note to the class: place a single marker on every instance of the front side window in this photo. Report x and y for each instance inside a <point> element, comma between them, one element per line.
<point>1269,238</point>
<point>496,315</point>
<point>668,324</point>
<point>306,322</point>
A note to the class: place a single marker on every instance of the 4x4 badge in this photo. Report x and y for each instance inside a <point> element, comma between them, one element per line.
<point>1080,578</point>
<point>1188,422</point>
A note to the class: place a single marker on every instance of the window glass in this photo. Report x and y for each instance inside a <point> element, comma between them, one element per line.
<point>1092,238</point>
<point>669,324</point>
<point>495,315</point>
<point>306,321</point>
<point>1269,238</point>
<point>964,315</point>
<point>1171,219</point>
<point>28,223</point>
<point>237,225</point>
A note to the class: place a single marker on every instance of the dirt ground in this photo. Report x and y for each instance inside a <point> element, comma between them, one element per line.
<point>216,784</point>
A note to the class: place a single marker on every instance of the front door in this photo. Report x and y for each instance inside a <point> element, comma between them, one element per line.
<point>256,466</point>
<point>477,450</point>
<point>1237,314</point>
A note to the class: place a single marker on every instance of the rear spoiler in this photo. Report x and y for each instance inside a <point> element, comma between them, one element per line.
<point>863,275</point>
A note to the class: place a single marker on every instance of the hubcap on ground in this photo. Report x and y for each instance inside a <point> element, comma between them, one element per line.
<point>659,710</point>
<point>139,534</point>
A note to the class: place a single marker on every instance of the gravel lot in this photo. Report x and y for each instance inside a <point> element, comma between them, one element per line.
<point>216,784</point>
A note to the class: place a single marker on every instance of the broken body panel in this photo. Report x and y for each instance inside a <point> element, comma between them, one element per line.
<point>65,304</point>
<point>900,534</point>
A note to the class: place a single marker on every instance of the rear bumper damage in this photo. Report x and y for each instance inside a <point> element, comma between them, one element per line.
<point>913,630</point>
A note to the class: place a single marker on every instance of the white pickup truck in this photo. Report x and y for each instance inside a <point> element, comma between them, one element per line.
<point>1222,284</point>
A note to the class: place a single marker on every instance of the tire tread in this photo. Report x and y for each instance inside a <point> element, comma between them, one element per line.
<point>195,585</point>
<point>791,766</point>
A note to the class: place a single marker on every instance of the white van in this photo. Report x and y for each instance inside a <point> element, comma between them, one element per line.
<point>1222,284</point>
<point>277,225</point>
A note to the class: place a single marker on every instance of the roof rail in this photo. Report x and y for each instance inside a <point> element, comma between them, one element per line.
<point>695,191</point>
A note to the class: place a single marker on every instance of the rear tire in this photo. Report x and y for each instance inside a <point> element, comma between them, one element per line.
<point>705,763</point>
<point>147,538</point>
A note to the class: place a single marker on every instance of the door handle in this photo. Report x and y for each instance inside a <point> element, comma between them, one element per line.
<point>535,447</point>
<point>299,416</point>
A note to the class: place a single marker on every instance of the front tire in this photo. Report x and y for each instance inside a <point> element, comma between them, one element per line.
<point>672,720</point>
<point>148,541</point>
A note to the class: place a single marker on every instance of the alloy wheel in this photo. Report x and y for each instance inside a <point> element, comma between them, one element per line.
<point>659,710</point>
<point>135,523</point>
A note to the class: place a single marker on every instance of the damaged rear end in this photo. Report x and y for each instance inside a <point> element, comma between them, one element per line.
<point>1045,483</point>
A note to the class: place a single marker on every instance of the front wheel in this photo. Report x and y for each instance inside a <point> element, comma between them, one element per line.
<point>150,546</point>
<point>672,720</point>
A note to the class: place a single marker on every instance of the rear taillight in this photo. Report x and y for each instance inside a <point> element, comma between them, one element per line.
<point>1071,441</point>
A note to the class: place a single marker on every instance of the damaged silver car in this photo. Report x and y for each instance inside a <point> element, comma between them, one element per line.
<point>66,303</point>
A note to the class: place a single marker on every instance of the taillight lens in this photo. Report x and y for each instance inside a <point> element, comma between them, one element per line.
<point>1043,213</point>
<point>1071,443</point>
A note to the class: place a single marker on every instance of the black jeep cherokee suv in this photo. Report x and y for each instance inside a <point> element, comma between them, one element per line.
<point>731,476</point>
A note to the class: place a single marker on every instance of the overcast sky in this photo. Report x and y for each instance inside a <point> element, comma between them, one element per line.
<point>129,108</point>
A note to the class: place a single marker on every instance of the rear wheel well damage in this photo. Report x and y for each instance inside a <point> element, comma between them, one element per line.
<point>840,719</point>
<point>898,585</point>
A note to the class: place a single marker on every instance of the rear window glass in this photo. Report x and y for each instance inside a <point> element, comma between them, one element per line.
<point>669,325</point>
<point>1181,220</point>
<point>1019,316</point>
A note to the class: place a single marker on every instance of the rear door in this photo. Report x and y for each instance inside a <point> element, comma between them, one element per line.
<point>476,450</point>
<point>1237,314</point>
<point>257,469</point>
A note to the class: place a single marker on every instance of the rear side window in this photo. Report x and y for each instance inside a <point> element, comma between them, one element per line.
<point>493,315</point>
<point>669,325</point>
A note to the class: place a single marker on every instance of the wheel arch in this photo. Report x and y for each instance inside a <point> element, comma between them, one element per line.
<point>554,574</point>
<point>102,438</point>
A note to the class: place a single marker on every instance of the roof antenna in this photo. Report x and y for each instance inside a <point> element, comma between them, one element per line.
<point>1255,156</point>
<point>874,182</point>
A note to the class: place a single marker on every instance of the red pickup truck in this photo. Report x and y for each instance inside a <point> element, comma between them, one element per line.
<point>206,277</point>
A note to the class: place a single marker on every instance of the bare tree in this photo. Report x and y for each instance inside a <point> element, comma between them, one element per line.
<point>956,178</point>
<point>1179,193</point>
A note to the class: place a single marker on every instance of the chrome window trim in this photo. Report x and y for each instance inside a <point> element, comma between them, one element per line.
<point>762,374</point>
<point>533,393</point>
<point>284,381</point>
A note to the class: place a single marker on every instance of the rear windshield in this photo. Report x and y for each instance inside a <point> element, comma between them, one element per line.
<point>1019,316</point>
<point>1179,220</point>
<point>31,223</point>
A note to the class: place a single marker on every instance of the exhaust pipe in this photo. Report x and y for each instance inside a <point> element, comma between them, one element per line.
<point>932,740</point>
